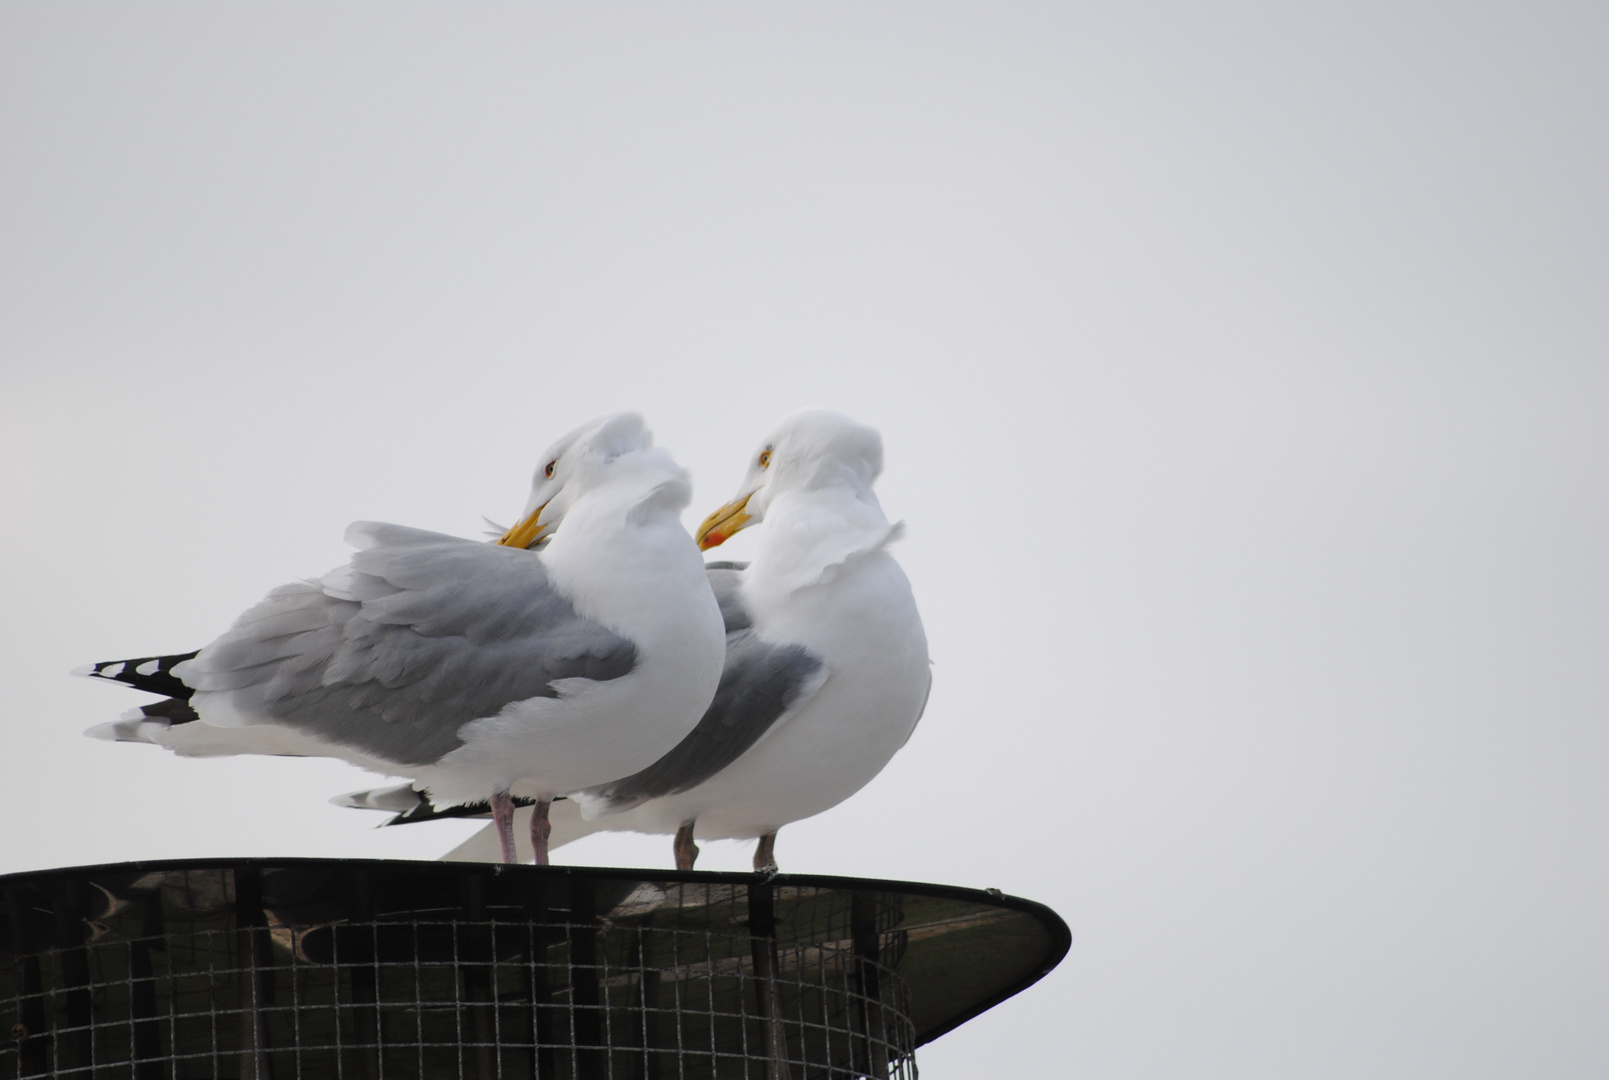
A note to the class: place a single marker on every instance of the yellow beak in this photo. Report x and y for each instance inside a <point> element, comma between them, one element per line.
<point>526,532</point>
<point>724,524</point>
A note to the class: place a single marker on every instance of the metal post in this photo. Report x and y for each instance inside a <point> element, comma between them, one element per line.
<point>763,948</point>
<point>873,1060</point>
<point>254,962</point>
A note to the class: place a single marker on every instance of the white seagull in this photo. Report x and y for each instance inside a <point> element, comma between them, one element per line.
<point>826,668</point>
<point>580,646</point>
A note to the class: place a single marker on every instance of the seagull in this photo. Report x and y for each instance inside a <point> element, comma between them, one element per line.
<point>580,646</point>
<point>826,672</point>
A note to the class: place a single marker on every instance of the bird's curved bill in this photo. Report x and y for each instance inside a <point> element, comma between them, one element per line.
<point>526,532</point>
<point>725,523</point>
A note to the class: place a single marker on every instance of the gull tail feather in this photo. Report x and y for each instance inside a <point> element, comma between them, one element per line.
<point>401,800</point>
<point>132,726</point>
<point>146,723</point>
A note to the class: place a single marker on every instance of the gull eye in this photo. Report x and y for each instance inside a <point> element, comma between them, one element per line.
<point>765,458</point>
<point>548,472</point>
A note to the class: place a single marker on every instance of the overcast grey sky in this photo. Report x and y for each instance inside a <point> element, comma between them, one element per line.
<point>1243,376</point>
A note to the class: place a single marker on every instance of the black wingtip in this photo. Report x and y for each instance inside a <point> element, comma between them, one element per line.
<point>427,811</point>
<point>150,673</point>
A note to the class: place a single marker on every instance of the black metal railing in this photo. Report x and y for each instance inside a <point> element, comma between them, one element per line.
<point>259,969</point>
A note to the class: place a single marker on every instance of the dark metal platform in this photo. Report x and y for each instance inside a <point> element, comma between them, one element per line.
<point>257,968</point>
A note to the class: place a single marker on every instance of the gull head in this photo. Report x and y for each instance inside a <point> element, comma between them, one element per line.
<point>810,449</point>
<point>608,451</point>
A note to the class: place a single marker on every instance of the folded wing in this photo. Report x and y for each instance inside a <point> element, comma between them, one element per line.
<point>761,683</point>
<point>392,654</point>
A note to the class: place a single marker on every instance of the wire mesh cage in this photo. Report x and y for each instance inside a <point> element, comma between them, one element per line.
<point>309,968</point>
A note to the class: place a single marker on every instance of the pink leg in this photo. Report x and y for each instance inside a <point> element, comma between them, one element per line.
<point>763,857</point>
<point>541,829</point>
<point>503,815</point>
<point>686,851</point>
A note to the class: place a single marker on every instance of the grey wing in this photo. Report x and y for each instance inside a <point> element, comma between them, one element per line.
<point>418,635</point>
<point>726,582</point>
<point>760,682</point>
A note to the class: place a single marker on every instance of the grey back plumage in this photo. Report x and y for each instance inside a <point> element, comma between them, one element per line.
<point>426,633</point>
<point>726,581</point>
<point>760,682</point>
